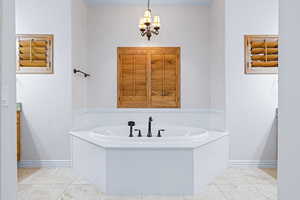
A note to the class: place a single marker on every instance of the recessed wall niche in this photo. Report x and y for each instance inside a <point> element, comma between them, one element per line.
<point>34,54</point>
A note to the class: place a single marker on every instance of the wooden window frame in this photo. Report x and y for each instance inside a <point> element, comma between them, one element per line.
<point>28,69</point>
<point>247,57</point>
<point>146,50</point>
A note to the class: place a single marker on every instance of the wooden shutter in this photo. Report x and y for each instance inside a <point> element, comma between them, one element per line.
<point>165,79</point>
<point>34,53</point>
<point>261,54</point>
<point>149,77</point>
<point>132,79</point>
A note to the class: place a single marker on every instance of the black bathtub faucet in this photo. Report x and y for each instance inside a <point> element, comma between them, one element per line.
<point>139,131</point>
<point>150,127</point>
<point>159,132</point>
<point>131,124</point>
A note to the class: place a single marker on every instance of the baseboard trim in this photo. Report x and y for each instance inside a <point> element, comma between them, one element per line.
<point>68,163</point>
<point>254,163</point>
<point>44,163</point>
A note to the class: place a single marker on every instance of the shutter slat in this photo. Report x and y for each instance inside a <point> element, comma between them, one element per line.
<point>262,44</point>
<point>264,64</point>
<point>33,57</point>
<point>263,58</point>
<point>263,51</point>
<point>34,43</point>
<point>33,63</point>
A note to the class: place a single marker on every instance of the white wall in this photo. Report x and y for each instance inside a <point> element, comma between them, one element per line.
<point>111,26</point>
<point>289,98</point>
<point>217,54</point>
<point>251,99</point>
<point>8,165</point>
<point>199,31</point>
<point>217,62</point>
<point>46,99</point>
<point>79,52</point>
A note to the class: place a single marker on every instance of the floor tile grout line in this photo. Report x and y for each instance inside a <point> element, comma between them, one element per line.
<point>263,194</point>
<point>65,189</point>
<point>223,194</point>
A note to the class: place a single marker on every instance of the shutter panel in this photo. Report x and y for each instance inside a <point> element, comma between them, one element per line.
<point>34,53</point>
<point>132,81</point>
<point>164,81</point>
<point>261,54</point>
<point>148,77</point>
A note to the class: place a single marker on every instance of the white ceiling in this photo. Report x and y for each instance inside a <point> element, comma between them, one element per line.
<point>144,2</point>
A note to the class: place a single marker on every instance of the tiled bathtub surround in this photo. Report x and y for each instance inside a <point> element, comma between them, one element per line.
<point>205,118</point>
<point>61,184</point>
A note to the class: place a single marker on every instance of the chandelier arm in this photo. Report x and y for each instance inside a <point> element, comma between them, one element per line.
<point>155,32</point>
<point>144,33</point>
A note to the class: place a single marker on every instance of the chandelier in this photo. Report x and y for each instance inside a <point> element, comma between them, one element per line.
<point>146,26</point>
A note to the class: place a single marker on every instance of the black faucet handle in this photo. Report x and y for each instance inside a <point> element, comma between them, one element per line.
<point>159,132</point>
<point>140,132</point>
<point>150,119</point>
<point>131,123</point>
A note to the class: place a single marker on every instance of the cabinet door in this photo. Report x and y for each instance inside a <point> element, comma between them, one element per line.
<point>165,80</point>
<point>132,77</point>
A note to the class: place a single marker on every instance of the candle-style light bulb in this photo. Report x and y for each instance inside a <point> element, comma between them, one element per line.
<point>147,21</point>
<point>147,17</point>
<point>147,13</point>
<point>156,21</point>
<point>141,21</point>
<point>142,25</point>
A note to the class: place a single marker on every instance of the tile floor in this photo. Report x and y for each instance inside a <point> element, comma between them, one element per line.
<point>61,184</point>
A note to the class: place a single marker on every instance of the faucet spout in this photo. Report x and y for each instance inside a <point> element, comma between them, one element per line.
<point>150,127</point>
